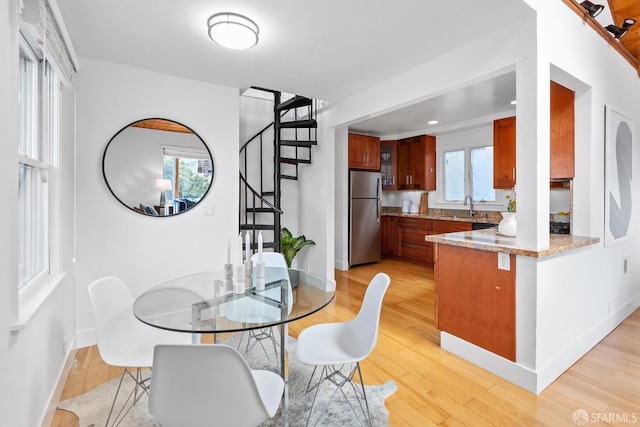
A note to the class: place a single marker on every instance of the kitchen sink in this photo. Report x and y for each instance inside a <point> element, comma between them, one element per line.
<point>482,225</point>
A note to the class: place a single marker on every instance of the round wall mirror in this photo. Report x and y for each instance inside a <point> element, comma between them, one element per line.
<point>157,167</point>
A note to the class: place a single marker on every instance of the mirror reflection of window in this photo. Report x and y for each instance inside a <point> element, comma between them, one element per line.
<point>189,170</point>
<point>157,167</point>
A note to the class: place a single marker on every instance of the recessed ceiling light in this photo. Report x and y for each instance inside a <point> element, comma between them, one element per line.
<point>513,102</point>
<point>432,122</point>
<point>233,30</point>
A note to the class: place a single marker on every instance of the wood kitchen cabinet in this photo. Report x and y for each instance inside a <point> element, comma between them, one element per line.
<point>443,226</point>
<point>389,164</point>
<point>417,163</point>
<point>389,230</point>
<point>364,152</point>
<point>562,132</point>
<point>411,244</point>
<point>475,300</point>
<point>504,153</point>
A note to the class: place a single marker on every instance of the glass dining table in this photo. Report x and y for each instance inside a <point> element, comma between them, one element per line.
<point>205,303</point>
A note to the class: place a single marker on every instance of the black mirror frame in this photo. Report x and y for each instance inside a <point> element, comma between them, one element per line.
<point>104,175</point>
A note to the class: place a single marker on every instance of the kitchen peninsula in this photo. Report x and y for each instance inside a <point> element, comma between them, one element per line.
<point>476,284</point>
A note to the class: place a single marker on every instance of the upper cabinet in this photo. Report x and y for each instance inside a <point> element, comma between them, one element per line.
<point>389,164</point>
<point>562,132</point>
<point>364,152</point>
<point>504,153</point>
<point>417,163</point>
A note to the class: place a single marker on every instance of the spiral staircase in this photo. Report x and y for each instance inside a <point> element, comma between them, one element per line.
<point>266,161</point>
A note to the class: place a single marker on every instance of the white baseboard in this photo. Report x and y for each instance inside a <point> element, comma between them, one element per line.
<point>537,380</point>
<point>50,412</point>
<point>86,338</point>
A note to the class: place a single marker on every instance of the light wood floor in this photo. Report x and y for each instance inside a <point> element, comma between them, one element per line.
<point>438,388</point>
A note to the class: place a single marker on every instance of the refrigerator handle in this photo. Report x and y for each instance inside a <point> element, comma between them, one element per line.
<point>378,209</point>
<point>378,188</point>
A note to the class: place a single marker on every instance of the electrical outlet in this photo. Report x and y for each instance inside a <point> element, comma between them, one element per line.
<point>504,261</point>
<point>625,265</point>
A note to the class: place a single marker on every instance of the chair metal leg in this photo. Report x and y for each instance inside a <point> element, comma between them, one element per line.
<point>258,336</point>
<point>141,388</point>
<point>336,376</point>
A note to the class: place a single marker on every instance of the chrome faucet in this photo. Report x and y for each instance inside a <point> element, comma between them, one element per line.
<point>471,211</point>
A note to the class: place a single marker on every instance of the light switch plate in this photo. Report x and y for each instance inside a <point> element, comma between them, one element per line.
<point>207,210</point>
<point>504,261</point>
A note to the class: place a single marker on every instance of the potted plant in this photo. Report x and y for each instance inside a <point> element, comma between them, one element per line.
<point>290,246</point>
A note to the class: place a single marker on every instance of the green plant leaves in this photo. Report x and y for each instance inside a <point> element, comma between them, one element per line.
<point>290,245</point>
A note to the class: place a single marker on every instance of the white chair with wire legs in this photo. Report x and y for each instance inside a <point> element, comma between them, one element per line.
<point>123,340</point>
<point>336,349</point>
<point>258,336</point>
<point>210,384</point>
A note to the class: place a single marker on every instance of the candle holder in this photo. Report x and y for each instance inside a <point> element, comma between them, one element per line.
<point>260,268</point>
<point>248,268</point>
<point>228,277</point>
<point>238,283</point>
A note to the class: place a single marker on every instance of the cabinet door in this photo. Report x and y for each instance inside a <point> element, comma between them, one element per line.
<point>504,153</point>
<point>389,236</point>
<point>562,132</point>
<point>404,164</point>
<point>424,169</point>
<point>371,149</point>
<point>356,156</point>
<point>389,164</point>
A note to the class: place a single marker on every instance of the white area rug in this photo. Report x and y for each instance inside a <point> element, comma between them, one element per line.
<point>93,407</point>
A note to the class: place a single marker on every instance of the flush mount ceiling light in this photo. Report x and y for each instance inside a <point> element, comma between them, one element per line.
<point>233,30</point>
<point>593,9</point>
<point>432,122</point>
<point>620,31</point>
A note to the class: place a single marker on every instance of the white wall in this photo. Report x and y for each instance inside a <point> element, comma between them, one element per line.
<point>113,240</point>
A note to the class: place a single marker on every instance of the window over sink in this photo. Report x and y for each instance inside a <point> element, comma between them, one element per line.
<point>469,171</point>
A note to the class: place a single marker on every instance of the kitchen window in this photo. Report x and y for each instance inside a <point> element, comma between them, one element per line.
<point>469,171</point>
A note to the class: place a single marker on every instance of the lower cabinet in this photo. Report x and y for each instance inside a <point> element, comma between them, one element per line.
<point>475,300</point>
<point>411,244</point>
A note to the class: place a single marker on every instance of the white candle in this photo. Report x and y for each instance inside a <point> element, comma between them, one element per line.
<point>260,246</point>
<point>247,246</point>
<point>240,249</point>
<point>228,249</point>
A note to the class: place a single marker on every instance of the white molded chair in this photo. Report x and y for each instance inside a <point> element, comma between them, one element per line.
<point>257,336</point>
<point>122,339</point>
<point>210,384</point>
<point>335,346</point>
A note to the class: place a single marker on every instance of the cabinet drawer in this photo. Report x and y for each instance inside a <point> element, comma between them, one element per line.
<point>414,236</point>
<point>442,226</point>
<point>424,224</point>
<point>416,252</point>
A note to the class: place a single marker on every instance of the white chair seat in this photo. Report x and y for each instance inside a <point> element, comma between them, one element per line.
<point>329,344</point>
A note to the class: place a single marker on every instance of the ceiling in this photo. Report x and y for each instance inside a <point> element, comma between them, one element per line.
<point>621,10</point>
<point>328,49</point>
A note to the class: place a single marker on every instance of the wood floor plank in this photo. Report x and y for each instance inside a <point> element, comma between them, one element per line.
<point>436,387</point>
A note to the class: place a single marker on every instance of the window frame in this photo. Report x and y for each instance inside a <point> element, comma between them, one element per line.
<point>464,140</point>
<point>39,153</point>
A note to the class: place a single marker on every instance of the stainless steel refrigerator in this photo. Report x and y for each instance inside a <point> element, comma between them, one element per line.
<point>365,189</point>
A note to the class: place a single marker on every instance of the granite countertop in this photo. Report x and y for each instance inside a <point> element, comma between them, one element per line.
<point>487,217</point>
<point>491,240</point>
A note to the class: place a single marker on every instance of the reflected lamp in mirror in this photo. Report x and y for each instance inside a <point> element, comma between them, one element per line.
<point>163,185</point>
<point>154,155</point>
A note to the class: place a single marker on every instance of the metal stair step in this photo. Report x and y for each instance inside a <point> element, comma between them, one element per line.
<point>290,161</point>
<point>291,177</point>
<point>295,102</point>
<point>268,193</point>
<point>306,124</point>
<point>256,226</point>
<point>261,210</point>
<point>297,143</point>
